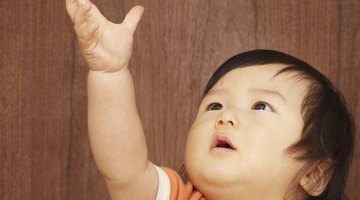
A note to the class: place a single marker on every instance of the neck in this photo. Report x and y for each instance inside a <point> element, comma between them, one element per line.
<point>241,193</point>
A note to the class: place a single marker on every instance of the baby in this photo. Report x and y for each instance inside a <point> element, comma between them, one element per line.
<point>269,125</point>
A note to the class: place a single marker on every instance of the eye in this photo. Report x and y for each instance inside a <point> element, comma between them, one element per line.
<point>262,106</point>
<point>214,106</point>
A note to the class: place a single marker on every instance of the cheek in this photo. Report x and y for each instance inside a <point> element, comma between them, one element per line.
<point>283,131</point>
<point>201,130</point>
<point>195,138</point>
<point>269,139</point>
<point>197,142</point>
<point>191,153</point>
<point>264,151</point>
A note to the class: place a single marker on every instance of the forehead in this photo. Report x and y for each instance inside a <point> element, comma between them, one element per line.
<point>262,78</point>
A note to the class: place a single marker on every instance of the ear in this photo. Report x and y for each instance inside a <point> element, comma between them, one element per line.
<point>315,180</point>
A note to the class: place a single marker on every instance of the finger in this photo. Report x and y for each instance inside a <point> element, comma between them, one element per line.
<point>80,14</point>
<point>133,17</point>
<point>92,28</point>
<point>81,2</point>
<point>86,33</point>
<point>71,7</point>
<point>86,29</point>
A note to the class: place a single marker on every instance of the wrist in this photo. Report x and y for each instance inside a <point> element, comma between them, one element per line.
<point>109,74</point>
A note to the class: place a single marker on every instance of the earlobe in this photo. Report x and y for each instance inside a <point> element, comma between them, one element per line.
<point>315,180</point>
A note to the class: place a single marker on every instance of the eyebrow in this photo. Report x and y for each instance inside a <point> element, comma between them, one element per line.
<point>217,91</point>
<point>250,90</point>
<point>214,92</point>
<point>268,92</point>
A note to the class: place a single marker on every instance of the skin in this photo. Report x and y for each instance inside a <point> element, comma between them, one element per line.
<point>115,131</point>
<point>260,125</point>
<point>117,137</point>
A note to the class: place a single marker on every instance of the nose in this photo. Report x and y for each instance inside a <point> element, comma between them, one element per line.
<point>227,118</point>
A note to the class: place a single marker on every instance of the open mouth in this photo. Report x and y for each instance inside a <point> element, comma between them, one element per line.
<point>222,142</point>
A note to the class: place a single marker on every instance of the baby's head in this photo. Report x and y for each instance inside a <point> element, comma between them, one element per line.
<point>270,126</point>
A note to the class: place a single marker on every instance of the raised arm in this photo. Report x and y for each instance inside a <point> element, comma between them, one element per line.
<point>116,134</point>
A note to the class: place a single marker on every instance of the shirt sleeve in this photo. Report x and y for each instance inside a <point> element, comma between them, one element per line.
<point>163,192</point>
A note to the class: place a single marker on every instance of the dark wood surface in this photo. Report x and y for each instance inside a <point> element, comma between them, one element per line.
<point>44,148</point>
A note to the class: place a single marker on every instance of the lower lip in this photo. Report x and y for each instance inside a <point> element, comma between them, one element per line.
<point>220,149</point>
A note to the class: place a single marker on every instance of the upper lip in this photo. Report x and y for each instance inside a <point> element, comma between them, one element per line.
<point>221,141</point>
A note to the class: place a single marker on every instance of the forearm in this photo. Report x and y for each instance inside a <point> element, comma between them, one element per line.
<point>116,134</point>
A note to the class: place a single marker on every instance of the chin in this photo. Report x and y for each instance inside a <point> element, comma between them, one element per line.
<point>214,177</point>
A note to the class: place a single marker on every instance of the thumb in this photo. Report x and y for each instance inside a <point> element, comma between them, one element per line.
<point>133,17</point>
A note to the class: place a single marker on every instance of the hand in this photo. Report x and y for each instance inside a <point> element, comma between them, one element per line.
<point>105,46</point>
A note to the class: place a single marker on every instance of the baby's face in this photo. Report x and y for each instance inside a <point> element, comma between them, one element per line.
<point>245,122</point>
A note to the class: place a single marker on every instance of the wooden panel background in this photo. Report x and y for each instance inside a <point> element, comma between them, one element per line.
<point>44,149</point>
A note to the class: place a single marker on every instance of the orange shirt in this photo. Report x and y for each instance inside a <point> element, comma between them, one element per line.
<point>179,190</point>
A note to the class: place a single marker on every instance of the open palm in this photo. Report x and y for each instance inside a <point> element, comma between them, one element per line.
<point>105,46</point>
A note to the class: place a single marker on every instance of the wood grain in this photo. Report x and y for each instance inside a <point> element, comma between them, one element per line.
<point>44,147</point>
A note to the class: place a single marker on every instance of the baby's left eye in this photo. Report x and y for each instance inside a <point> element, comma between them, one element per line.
<point>262,106</point>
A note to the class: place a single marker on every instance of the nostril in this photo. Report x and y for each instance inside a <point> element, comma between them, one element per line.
<point>228,122</point>
<point>231,122</point>
<point>220,122</point>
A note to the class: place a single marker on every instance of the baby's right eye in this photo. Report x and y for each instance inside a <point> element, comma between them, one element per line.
<point>214,106</point>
